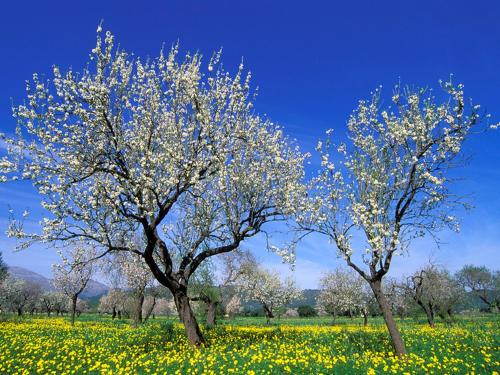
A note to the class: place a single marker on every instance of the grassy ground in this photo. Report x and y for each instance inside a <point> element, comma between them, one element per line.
<point>246,346</point>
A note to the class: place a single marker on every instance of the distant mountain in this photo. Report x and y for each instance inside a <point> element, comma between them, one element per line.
<point>25,274</point>
<point>93,289</point>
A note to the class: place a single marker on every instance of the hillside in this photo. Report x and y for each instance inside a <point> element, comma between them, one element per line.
<point>94,288</point>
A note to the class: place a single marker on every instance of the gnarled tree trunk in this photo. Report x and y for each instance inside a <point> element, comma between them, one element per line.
<point>187,318</point>
<point>397,341</point>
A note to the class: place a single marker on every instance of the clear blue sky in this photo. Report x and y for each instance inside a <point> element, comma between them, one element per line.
<point>312,61</point>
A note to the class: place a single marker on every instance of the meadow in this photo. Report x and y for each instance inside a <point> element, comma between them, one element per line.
<point>98,345</point>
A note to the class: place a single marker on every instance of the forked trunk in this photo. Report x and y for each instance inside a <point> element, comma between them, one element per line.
<point>269,314</point>
<point>187,318</point>
<point>211,313</point>
<point>74,298</point>
<point>397,341</point>
<point>150,310</point>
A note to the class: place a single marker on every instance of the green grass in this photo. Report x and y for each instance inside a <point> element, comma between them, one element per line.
<point>99,345</point>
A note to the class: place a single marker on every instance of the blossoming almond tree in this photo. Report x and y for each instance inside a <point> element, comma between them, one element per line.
<point>267,288</point>
<point>113,303</point>
<point>155,148</point>
<point>435,291</point>
<point>391,183</point>
<point>73,274</point>
<point>342,291</point>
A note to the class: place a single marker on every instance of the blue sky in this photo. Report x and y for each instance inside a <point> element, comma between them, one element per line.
<point>311,60</point>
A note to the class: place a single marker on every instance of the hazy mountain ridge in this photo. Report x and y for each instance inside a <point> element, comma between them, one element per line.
<point>93,289</point>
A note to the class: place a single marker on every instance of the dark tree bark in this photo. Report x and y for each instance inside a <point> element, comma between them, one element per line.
<point>150,310</point>
<point>19,312</point>
<point>429,312</point>
<point>188,318</point>
<point>397,341</point>
<point>113,314</point>
<point>269,313</point>
<point>74,299</point>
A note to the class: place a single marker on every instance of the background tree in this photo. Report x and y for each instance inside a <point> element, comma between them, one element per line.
<point>54,301</point>
<point>203,289</point>
<point>435,291</point>
<point>158,149</point>
<point>306,311</point>
<point>390,183</point>
<point>341,292</point>
<point>153,295</point>
<point>400,298</point>
<point>136,276</point>
<point>481,282</point>
<point>233,306</point>
<point>113,303</point>
<point>231,268</point>
<point>73,274</point>
<point>81,307</point>
<point>19,295</point>
<point>267,288</point>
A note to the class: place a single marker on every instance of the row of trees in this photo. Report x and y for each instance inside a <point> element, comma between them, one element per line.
<point>21,296</point>
<point>161,151</point>
<point>431,290</point>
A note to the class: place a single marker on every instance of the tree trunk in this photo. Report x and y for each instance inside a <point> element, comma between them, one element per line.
<point>119,314</point>
<point>74,298</point>
<point>450,313</point>
<point>428,313</point>
<point>211,313</point>
<point>113,314</point>
<point>138,309</point>
<point>19,312</point>
<point>365,317</point>
<point>269,314</point>
<point>187,318</point>
<point>397,341</point>
<point>150,310</point>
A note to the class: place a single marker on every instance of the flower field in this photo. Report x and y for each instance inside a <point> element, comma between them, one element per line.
<point>52,346</point>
